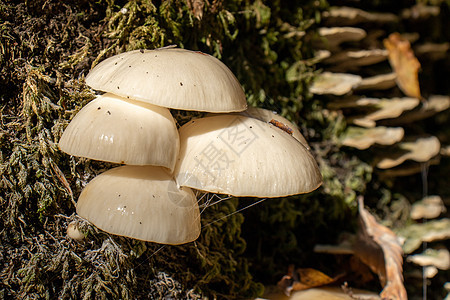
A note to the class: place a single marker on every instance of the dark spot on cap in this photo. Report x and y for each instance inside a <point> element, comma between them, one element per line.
<point>118,87</point>
<point>142,50</point>
<point>181,84</point>
<point>251,126</point>
<point>146,72</point>
<point>140,222</point>
<point>119,195</point>
<point>129,66</point>
<point>272,136</point>
<point>124,206</point>
<point>98,108</point>
<point>109,113</point>
<point>115,64</point>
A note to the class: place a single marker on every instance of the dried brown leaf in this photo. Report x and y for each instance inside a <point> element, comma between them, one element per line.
<point>404,63</point>
<point>376,236</point>
<point>303,279</point>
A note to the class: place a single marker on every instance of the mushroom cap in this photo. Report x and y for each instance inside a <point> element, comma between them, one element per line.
<point>242,156</point>
<point>119,130</point>
<point>170,77</point>
<point>266,115</point>
<point>141,202</point>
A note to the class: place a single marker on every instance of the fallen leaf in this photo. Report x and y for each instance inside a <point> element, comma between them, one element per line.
<point>302,279</point>
<point>404,63</point>
<point>387,263</point>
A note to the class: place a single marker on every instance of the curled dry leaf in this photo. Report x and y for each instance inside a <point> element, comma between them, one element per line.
<point>387,263</point>
<point>302,279</point>
<point>404,63</point>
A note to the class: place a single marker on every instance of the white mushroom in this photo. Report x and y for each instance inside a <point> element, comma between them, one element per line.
<point>114,129</point>
<point>141,202</point>
<point>170,77</point>
<point>266,115</point>
<point>242,156</point>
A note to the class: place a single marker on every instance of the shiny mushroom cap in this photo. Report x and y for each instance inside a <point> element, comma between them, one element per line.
<point>266,115</point>
<point>141,202</point>
<point>119,130</point>
<point>243,156</point>
<point>170,77</point>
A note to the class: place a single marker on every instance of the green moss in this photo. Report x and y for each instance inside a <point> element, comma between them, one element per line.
<point>46,49</point>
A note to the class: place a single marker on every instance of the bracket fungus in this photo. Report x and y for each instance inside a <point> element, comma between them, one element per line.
<point>142,202</point>
<point>420,150</point>
<point>363,138</point>
<point>242,156</point>
<point>170,77</point>
<point>335,83</point>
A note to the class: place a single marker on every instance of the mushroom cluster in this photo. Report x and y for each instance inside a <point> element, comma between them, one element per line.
<point>236,152</point>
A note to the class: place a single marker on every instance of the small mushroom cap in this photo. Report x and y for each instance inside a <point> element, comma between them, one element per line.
<point>170,77</point>
<point>266,115</point>
<point>114,129</point>
<point>141,202</point>
<point>242,156</point>
<point>74,232</point>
